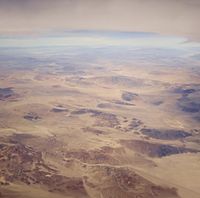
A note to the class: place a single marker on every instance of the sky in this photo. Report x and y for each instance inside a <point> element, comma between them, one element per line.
<point>178,18</point>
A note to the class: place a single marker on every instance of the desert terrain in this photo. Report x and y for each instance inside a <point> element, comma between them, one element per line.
<point>86,122</point>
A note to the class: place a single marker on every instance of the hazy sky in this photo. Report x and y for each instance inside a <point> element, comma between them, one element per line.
<point>173,17</point>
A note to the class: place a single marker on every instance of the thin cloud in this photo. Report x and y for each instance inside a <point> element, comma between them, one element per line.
<point>171,17</point>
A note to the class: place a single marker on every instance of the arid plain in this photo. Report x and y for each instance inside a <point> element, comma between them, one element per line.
<point>99,123</point>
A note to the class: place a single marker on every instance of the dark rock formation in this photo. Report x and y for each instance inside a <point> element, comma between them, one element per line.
<point>155,149</point>
<point>128,96</point>
<point>31,116</point>
<point>165,134</point>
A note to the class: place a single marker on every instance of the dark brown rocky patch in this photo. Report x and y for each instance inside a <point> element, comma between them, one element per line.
<point>20,163</point>
<point>155,149</point>
<point>97,156</point>
<point>93,130</point>
<point>32,116</point>
<point>59,109</point>
<point>168,134</point>
<point>129,96</point>
<point>7,94</point>
<point>112,182</point>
